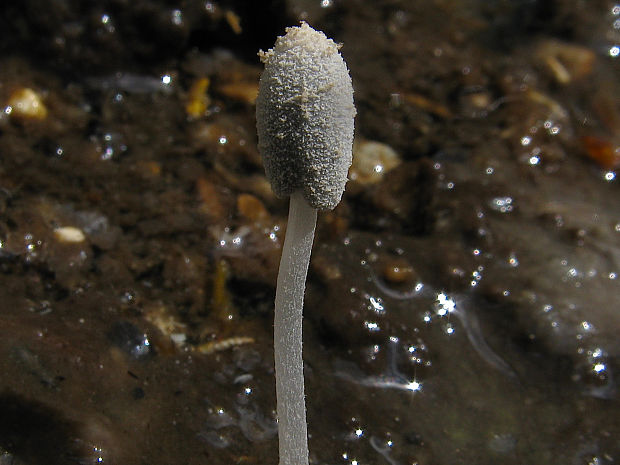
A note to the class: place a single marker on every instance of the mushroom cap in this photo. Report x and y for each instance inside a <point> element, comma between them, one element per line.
<point>304,117</point>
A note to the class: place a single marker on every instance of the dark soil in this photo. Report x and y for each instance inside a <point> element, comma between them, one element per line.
<point>462,306</point>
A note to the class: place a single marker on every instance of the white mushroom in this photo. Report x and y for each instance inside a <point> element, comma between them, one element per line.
<point>304,116</point>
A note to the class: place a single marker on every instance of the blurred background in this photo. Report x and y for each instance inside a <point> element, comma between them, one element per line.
<point>463,301</point>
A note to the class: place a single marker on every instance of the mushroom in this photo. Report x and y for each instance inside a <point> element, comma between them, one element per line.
<point>304,118</point>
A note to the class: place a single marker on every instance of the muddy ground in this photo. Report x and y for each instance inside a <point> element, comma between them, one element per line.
<point>463,301</point>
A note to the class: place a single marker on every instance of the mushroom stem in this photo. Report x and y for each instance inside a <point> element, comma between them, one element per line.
<point>288,340</point>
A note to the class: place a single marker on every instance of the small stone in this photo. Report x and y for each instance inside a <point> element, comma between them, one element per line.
<point>398,271</point>
<point>371,160</point>
<point>69,234</point>
<point>565,62</point>
<point>601,151</point>
<point>234,21</point>
<point>198,99</point>
<point>241,91</point>
<point>25,103</point>
<point>251,208</point>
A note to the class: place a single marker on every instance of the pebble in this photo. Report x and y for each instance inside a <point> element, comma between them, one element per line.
<point>69,234</point>
<point>398,271</point>
<point>197,98</point>
<point>371,161</point>
<point>234,21</point>
<point>26,103</point>
<point>251,208</point>
<point>240,91</point>
<point>601,151</point>
<point>565,62</point>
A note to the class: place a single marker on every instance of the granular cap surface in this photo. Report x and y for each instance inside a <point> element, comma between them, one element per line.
<point>305,114</point>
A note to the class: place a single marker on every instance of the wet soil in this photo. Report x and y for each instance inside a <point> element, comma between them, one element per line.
<point>462,301</point>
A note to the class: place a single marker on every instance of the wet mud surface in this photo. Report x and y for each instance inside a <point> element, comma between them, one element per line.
<point>463,299</point>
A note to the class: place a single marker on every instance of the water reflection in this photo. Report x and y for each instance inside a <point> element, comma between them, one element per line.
<point>390,378</point>
<point>445,305</point>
